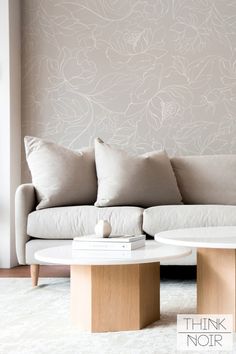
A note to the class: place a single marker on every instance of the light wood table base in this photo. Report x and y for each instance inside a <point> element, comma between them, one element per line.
<point>115,297</point>
<point>216,278</point>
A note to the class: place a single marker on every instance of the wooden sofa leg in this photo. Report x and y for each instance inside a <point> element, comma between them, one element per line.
<point>34,272</point>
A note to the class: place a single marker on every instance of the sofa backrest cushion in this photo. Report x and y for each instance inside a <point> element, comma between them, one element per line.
<point>126,179</point>
<point>206,179</point>
<point>61,176</point>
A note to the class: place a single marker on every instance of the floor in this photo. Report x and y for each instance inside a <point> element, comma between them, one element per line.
<point>45,272</point>
<point>37,321</point>
<point>61,271</point>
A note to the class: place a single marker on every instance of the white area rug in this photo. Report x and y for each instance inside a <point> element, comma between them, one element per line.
<point>36,321</point>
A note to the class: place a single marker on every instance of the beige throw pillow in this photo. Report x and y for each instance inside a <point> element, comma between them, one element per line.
<point>61,176</point>
<point>125,179</point>
<point>207,179</point>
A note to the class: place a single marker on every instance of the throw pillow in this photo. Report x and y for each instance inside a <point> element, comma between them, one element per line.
<point>206,179</point>
<point>126,179</point>
<point>61,176</point>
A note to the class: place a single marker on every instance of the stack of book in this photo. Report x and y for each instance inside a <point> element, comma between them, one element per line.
<point>112,243</point>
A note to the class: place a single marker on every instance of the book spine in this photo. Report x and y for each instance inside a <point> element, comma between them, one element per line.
<point>109,239</point>
<point>105,246</point>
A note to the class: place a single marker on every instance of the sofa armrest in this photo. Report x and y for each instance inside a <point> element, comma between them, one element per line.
<point>25,202</point>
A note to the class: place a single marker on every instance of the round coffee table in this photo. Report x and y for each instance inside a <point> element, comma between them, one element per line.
<point>114,291</point>
<point>216,265</point>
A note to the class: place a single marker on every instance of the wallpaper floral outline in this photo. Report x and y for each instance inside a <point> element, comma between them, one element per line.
<point>143,75</point>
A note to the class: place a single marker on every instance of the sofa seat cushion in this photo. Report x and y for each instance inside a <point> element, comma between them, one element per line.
<point>161,218</point>
<point>69,222</point>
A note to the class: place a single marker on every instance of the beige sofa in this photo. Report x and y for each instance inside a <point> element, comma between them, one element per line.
<point>207,185</point>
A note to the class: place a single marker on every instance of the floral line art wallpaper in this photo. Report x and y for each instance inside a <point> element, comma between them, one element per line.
<point>142,75</point>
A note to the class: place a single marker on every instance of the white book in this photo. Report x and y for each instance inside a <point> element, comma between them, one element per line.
<point>113,246</point>
<point>111,238</point>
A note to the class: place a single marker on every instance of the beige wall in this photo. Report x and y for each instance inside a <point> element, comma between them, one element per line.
<point>140,74</point>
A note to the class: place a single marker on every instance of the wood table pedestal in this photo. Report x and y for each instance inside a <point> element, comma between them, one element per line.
<point>115,297</point>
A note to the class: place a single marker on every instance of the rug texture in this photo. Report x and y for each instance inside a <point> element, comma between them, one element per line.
<point>37,321</point>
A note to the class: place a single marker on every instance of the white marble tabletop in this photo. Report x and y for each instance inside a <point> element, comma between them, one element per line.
<point>152,252</point>
<point>201,237</point>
